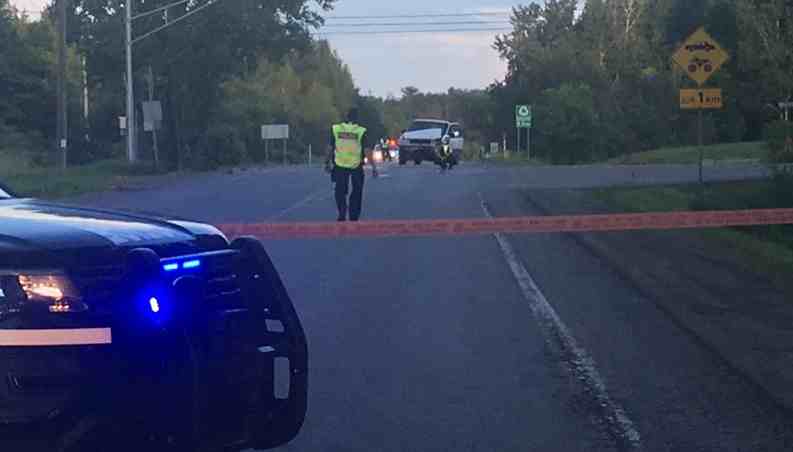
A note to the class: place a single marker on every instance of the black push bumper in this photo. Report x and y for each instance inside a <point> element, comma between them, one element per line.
<point>205,361</point>
<point>423,153</point>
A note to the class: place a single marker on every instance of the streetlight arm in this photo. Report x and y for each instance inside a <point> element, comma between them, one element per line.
<point>157,10</point>
<point>179,19</point>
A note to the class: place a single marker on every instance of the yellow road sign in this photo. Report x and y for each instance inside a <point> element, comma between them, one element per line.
<point>700,56</point>
<point>700,98</point>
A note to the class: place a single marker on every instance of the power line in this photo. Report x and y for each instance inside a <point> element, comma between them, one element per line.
<point>394,32</point>
<point>415,16</point>
<point>402,24</point>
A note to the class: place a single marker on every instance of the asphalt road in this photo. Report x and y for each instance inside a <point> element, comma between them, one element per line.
<point>487,343</point>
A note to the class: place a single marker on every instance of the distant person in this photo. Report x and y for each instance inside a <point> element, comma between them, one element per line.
<point>348,155</point>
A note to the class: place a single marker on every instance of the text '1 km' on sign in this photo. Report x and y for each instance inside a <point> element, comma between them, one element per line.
<point>692,99</point>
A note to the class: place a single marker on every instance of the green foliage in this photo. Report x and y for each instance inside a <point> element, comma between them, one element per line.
<point>227,146</point>
<point>567,120</point>
<point>308,90</point>
<point>370,112</point>
<point>53,182</point>
<point>621,50</point>
<point>779,136</point>
<point>194,62</point>
<point>754,150</point>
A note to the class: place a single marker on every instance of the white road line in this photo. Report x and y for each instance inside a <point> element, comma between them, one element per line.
<point>554,329</point>
<point>318,195</point>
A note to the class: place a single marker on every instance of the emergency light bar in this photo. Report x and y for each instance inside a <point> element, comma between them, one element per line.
<point>184,265</point>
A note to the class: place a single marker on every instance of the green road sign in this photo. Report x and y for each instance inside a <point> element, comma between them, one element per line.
<point>523,116</point>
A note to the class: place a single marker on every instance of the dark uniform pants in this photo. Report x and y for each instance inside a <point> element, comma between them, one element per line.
<point>342,177</point>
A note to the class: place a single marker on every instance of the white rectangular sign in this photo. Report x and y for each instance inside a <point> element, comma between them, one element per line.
<point>275,132</point>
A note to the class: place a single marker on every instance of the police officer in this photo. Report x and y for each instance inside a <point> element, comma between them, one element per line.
<point>348,154</point>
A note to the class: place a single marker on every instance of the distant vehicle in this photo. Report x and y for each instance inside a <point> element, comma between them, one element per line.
<point>393,148</point>
<point>420,142</point>
<point>382,152</point>
<point>138,332</point>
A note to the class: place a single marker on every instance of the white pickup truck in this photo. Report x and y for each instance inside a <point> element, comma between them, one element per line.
<point>421,140</point>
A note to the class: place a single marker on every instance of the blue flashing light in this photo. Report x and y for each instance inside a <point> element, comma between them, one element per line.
<point>154,305</point>
<point>170,267</point>
<point>195,263</point>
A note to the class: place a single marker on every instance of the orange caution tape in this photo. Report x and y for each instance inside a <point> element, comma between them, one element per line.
<point>55,337</point>
<point>536,224</point>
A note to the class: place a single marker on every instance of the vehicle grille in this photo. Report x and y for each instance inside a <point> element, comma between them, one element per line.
<point>99,284</point>
<point>222,281</point>
<point>420,141</point>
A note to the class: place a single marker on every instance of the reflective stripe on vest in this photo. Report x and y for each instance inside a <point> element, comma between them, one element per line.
<point>348,144</point>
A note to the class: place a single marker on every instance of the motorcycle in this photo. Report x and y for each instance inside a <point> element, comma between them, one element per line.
<point>445,155</point>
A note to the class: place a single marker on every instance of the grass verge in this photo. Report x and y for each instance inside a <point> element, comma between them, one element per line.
<point>512,158</point>
<point>768,249</point>
<point>756,151</point>
<point>56,183</point>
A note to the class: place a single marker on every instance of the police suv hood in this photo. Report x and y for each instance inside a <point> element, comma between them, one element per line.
<point>37,225</point>
<point>427,134</point>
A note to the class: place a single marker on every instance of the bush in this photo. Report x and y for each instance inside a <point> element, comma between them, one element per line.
<point>567,119</point>
<point>471,150</point>
<point>20,150</point>
<point>225,147</point>
<point>779,136</point>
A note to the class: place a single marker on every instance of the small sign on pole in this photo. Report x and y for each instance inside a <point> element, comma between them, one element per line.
<point>275,132</point>
<point>709,98</point>
<point>700,56</point>
<point>523,120</point>
<point>523,116</point>
<point>152,115</point>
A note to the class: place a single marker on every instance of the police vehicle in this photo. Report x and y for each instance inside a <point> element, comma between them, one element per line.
<point>124,332</point>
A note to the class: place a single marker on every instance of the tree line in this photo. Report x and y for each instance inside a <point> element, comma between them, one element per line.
<point>219,75</point>
<point>599,76</point>
<point>602,83</point>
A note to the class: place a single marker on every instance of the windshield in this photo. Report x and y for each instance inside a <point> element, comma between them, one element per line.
<point>503,225</point>
<point>426,125</point>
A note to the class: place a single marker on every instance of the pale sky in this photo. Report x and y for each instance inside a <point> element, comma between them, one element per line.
<point>382,64</point>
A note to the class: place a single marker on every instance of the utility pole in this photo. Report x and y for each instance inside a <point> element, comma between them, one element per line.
<point>528,143</point>
<point>132,155</point>
<point>517,141</point>
<point>62,131</point>
<point>701,147</point>
<point>150,79</point>
<point>85,88</point>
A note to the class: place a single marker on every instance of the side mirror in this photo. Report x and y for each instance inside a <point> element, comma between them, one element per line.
<point>445,139</point>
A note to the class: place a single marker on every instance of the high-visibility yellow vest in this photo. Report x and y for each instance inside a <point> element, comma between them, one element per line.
<point>349,144</point>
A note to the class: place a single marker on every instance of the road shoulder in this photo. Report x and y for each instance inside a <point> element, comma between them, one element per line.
<point>705,289</point>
